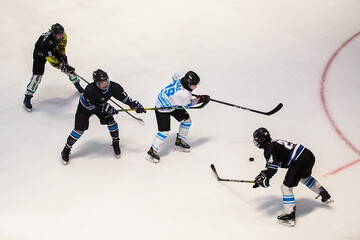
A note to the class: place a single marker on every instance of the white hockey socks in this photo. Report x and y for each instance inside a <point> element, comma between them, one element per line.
<point>311,183</point>
<point>33,84</point>
<point>159,140</point>
<point>288,199</point>
<point>73,78</point>
<point>184,128</point>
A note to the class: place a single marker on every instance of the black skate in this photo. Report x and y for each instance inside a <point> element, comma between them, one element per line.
<point>65,155</point>
<point>181,145</point>
<point>27,103</point>
<point>78,87</point>
<point>325,196</point>
<point>287,219</point>
<point>152,156</point>
<point>116,147</point>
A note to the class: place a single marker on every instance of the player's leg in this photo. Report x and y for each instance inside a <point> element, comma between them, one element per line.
<point>75,80</point>
<point>81,124</point>
<point>308,160</point>
<point>183,117</point>
<point>112,125</point>
<point>163,122</point>
<point>38,71</point>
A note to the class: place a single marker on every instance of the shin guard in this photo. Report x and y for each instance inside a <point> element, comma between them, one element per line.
<point>288,199</point>
<point>33,84</point>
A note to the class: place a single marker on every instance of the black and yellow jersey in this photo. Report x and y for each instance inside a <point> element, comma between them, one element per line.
<point>50,49</point>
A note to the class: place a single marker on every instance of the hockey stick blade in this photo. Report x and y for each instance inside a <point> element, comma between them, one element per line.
<point>214,171</point>
<point>212,166</point>
<point>276,109</point>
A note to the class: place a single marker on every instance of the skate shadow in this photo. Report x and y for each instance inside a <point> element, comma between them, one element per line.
<point>169,144</point>
<point>304,206</point>
<point>58,107</point>
<point>92,150</point>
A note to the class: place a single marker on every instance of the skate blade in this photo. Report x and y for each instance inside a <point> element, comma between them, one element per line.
<point>27,109</point>
<point>63,161</point>
<point>151,159</point>
<point>329,201</point>
<point>288,223</point>
<point>180,149</point>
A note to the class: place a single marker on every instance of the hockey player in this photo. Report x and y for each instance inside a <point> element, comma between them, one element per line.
<point>49,47</point>
<point>176,95</point>
<point>298,160</point>
<point>94,101</point>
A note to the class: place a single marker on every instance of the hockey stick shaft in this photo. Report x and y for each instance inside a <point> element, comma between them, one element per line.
<point>276,109</point>
<point>226,179</point>
<point>160,108</point>
<point>122,109</point>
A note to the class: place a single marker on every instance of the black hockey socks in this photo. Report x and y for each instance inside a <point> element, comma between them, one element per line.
<point>73,137</point>
<point>114,132</point>
<point>113,129</point>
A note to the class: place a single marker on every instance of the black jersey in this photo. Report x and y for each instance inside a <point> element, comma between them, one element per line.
<point>281,153</point>
<point>94,98</point>
<point>47,46</point>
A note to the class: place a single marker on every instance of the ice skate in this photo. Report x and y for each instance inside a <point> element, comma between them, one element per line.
<point>27,103</point>
<point>325,196</point>
<point>65,155</point>
<point>152,156</point>
<point>116,147</point>
<point>287,219</point>
<point>78,87</point>
<point>181,145</point>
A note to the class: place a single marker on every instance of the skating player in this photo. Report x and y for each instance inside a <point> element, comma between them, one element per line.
<point>49,47</point>
<point>94,101</point>
<point>178,94</point>
<point>298,160</point>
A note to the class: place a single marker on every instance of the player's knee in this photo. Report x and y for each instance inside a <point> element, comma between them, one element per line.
<point>286,190</point>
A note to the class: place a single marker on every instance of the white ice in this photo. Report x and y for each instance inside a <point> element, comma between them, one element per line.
<point>253,53</point>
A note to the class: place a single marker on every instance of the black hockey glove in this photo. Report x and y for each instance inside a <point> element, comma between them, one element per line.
<point>261,180</point>
<point>66,68</point>
<point>63,58</point>
<point>139,108</point>
<point>107,108</point>
<point>203,99</point>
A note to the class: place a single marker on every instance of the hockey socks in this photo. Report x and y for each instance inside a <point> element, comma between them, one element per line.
<point>73,137</point>
<point>159,140</point>
<point>288,216</point>
<point>184,128</point>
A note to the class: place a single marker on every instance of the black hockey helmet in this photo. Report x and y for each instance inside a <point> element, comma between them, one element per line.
<point>101,76</point>
<point>56,29</point>
<point>261,137</point>
<point>190,78</point>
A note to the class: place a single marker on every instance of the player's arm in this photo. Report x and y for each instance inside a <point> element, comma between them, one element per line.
<point>123,97</point>
<point>263,178</point>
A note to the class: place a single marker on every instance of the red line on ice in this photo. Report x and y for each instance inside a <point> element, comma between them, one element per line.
<point>323,101</point>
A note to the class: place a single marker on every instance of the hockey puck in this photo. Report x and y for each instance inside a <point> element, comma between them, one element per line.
<point>251,159</point>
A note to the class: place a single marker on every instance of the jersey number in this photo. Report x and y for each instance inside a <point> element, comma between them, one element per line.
<point>286,144</point>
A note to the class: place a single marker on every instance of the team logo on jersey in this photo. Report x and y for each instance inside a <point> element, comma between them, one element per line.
<point>102,99</point>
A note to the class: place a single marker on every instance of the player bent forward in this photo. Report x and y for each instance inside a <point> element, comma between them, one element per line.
<point>50,47</point>
<point>94,101</point>
<point>174,99</point>
<point>299,161</point>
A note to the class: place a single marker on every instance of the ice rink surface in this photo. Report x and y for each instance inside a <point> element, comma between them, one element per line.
<point>305,54</point>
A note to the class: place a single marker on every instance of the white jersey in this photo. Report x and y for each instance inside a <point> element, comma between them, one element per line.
<point>175,95</point>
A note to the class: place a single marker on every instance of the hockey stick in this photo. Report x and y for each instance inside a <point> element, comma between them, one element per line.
<point>277,108</point>
<point>161,108</point>
<point>136,118</point>
<point>227,180</point>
